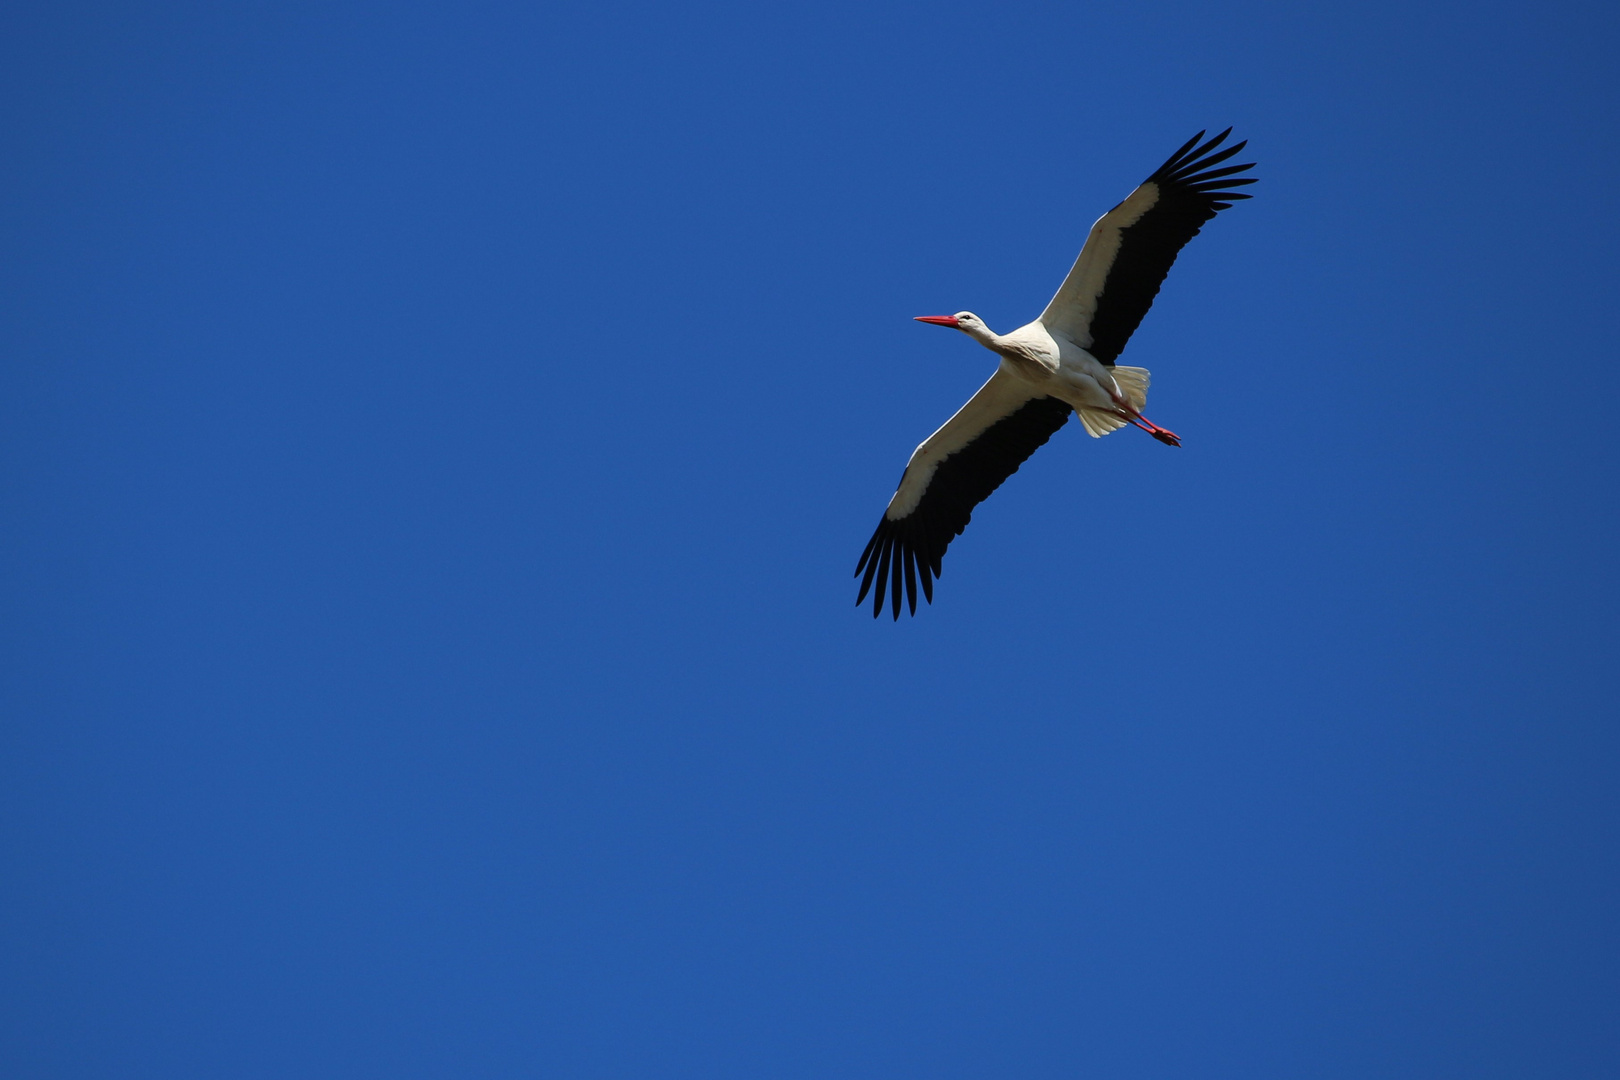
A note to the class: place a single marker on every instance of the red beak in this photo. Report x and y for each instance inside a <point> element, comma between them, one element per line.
<point>938,320</point>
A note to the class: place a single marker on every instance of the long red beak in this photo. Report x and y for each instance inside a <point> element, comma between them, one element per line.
<point>938,320</point>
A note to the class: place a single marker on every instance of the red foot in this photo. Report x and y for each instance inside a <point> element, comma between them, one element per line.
<point>1164,435</point>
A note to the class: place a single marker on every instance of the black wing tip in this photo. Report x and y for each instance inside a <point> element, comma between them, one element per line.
<point>1180,153</point>
<point>1191,150</point>
<point>1192,171</point>
<point>896,561</point>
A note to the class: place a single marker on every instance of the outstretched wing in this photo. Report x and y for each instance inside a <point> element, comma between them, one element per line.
<point>1131,248</point>
<point>954,471</point>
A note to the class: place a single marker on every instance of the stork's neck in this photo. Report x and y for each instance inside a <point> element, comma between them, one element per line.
<point>986,337</point>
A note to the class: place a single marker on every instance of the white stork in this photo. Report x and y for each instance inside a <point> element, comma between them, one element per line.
<point>1061,363</point>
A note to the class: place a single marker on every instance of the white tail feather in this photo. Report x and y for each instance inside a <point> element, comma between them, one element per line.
<point>1098,423</point>
<point>1133,387</point>
<point>1133,383</point>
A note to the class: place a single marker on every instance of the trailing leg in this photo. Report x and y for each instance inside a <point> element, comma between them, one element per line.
<point>1164,435</point>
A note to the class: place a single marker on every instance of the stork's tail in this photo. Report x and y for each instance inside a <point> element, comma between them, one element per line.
<point>1133,384</point>
<point>1098,423</point>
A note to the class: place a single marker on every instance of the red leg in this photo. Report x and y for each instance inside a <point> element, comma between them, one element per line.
<point>1164,435</point>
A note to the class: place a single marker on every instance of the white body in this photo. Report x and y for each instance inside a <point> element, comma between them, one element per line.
<point>1035,362</point>
<point>1052,365</point>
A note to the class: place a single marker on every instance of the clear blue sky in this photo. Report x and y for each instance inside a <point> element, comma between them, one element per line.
<point>437,440</point>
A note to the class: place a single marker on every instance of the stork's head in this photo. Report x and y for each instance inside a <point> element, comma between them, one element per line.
<point>965,321</point>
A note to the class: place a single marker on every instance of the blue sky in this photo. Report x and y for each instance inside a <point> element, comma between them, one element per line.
<point>437,440</point>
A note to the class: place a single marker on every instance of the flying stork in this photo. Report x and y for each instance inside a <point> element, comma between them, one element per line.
<point>1062,363</point>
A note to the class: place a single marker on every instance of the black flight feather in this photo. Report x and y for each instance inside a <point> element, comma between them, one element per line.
<point>960,482</point>
<point>1191,192</point>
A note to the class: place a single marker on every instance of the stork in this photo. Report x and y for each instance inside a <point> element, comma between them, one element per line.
<point>1062,363</point>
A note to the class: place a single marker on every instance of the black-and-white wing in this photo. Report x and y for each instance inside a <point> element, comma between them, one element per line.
<point>1131,248</point>
<point>948,475</point>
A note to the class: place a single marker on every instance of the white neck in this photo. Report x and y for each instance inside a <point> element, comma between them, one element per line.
<point>984,336</point>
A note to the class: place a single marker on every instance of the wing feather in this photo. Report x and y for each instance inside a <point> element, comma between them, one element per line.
<point>952,472</point>
<point>1132,247</point>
